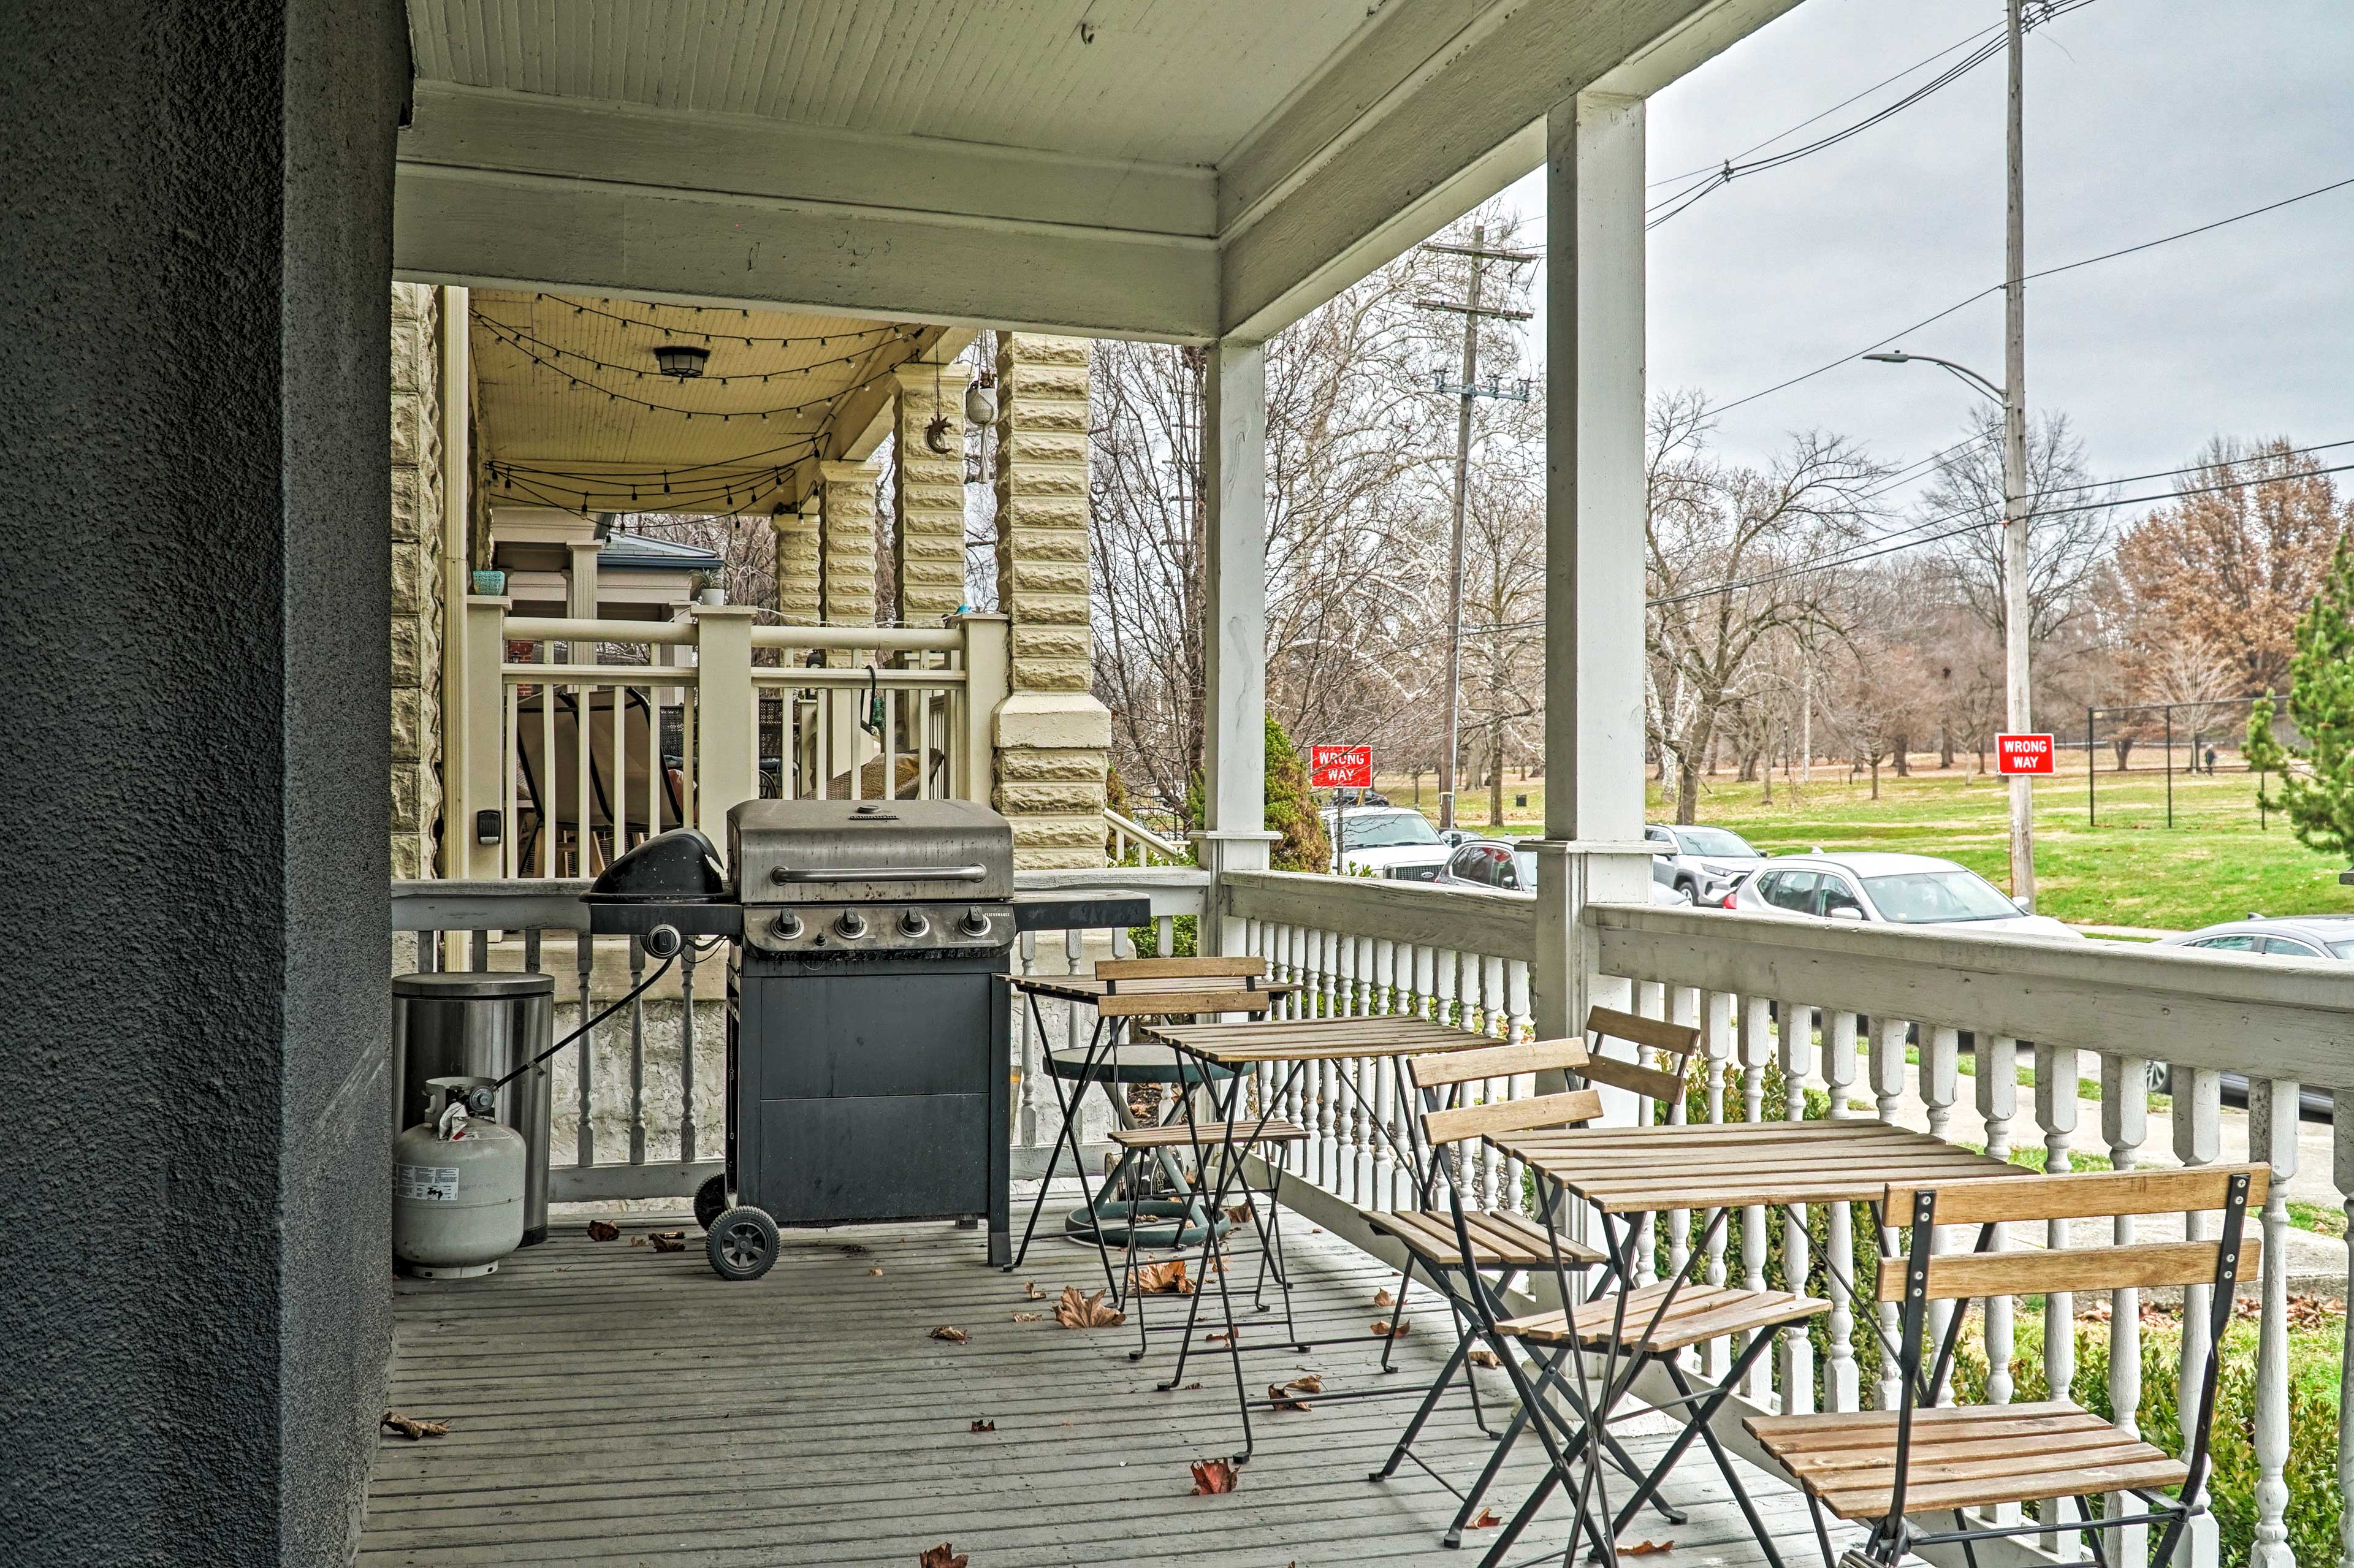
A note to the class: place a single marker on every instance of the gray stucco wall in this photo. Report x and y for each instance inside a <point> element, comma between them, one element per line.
<point>193,388</point>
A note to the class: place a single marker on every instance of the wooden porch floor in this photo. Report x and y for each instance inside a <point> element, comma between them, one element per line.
<point>612,1404</point>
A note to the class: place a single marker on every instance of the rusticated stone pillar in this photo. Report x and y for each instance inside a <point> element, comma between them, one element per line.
<point>798,599</point>
<point>1052,734</point>
<point>928,490</point>
<point>846,544</point>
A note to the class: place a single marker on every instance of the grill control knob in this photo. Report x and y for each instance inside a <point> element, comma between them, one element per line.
<point>975,923</point>
<point>912,923</point>
<point>788,926</point>
<point>850,924</point>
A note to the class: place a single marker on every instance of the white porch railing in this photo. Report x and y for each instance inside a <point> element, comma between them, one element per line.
<point>1129,843</point>
<point>1790,1005</point>
<point>580,737</point>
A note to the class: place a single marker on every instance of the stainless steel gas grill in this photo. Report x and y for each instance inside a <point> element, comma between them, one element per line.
<point>869,1049</point>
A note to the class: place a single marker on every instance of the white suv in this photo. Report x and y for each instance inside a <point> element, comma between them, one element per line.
<point>1389,840</point>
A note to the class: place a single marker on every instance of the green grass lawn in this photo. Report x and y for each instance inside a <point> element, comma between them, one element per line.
<point>2214,863</point>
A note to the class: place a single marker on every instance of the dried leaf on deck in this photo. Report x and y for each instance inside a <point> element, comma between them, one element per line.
<point>1278,1397</point>
<point>637,1241</point>
<point>985,1427</point>
<point>1385,1330</point>
<point>668,1243</point>
<point>1486,1520</point>
<point>953,1335</point>
<point>1307,1382</point>
<point>1030,1291</point>
<point>942,1556</point>
<point>875,1273</point>
<point>408,1426</point>
<point>603,1230</point>
<point>1240,1213</point>
<point>1212,1476</point>
<point>1383,1299</point>
<point>1076,1311</point>
<point>1222,1335</point>
<point>1027,1317</point>
<point>1646,1548</point>
<point>1483,1357</point>
<point>1162,1278</point>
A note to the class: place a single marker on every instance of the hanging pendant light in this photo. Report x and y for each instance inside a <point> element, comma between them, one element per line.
<point>680,360</point>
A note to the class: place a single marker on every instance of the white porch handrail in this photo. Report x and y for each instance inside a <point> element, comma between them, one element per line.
<point>1127,842</point>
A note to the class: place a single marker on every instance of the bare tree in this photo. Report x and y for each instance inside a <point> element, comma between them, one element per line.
<point>2069,531</point>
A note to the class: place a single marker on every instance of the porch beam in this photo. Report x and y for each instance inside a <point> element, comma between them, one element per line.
<point>1437,110</point>
<point>516,190</point>
<point>1595,502</point>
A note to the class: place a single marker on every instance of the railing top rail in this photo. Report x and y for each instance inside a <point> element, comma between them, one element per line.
<point>602,675</point>
<point>2276,1019</point>
<point>1145,836</point>
<point>1502,925</point>
<point>857,675</point>
<point>568,628</point>
<point>1173,889</point>
<point>888,639</point>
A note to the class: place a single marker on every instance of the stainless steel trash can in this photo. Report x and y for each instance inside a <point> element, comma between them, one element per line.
<point>478,1024</point>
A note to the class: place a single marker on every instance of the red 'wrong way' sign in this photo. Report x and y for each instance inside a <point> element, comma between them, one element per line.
<point>2023,754</point>
<point>1340,766</point>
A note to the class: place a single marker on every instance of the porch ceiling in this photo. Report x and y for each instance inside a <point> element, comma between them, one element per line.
<point>1203,169</point>
<point>575,413</point>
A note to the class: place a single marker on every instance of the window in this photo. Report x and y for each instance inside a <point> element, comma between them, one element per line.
<point>1792,890</point>
<point>2240,944</point>
<point>1938,898</point>
<point>1506,873</point>
<point>2287,947</point>
<point>1838,895</point>
<point>1387,829</point>
<point>1524,861</point>
<point>1713,840</point>
<point>1470,865</point>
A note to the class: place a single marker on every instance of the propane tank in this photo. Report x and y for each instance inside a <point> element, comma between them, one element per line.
<point>457,1186</point>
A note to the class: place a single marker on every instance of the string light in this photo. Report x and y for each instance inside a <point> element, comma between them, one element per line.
<point>821,340</point>
<point>520,343</point>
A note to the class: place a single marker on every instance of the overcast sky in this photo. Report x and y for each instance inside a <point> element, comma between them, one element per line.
<point>2142,117</point>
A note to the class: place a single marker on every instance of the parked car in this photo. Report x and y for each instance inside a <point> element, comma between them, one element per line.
<point>1892,889</point>
<point>2310,939</point>
<point>1700,865</point>
<point>1387,841</point>
<point>1501,865</point>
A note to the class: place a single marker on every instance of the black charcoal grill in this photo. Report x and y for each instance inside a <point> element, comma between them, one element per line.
<point>869,1050</point>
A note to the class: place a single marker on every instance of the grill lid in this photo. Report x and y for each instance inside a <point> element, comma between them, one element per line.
<point>849,852</point>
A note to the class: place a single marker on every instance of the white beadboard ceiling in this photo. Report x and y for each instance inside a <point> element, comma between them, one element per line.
<point>1172,80</point>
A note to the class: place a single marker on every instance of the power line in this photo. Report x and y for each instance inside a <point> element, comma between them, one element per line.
<point>2046,273</point>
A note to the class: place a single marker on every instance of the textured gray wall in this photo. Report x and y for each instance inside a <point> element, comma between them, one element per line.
<point>193,388</point>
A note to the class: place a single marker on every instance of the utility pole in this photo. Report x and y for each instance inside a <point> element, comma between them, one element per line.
<point>2014,466</point>
<point>1471,311</point>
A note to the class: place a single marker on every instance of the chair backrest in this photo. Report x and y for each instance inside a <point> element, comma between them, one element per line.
<point>1674,1043</point>
<point>1154,988</point>
<point>1130,974</point>
<point>2093,1195</point>
<point>1438,1069</point>
<point>1568,1109</point>
<point>1446,1069</point>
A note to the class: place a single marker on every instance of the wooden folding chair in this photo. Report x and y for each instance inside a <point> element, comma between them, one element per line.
<point>1136,988</point>
<point>1632,1328</point>
<point>1884,1467</point>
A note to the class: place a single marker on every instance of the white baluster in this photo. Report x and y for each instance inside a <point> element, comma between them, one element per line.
<point>1840,1377</point>
<point>2197,1095</point>
<point>1756,1050</point>
<point>2055,1113</point>
<point>1997,1083</point>
<point>2125,1123</point>
<point>1940,1088</point>
<point>1716,1049</point>
<point>2272,1140</point>
<point>1797,1352</point>
<point>1886,1068</point>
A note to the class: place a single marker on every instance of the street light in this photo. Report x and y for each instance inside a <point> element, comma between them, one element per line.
<point>2016,705</point>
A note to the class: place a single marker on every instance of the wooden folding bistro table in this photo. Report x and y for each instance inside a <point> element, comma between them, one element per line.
<point>1628,1174</point>
<point>1233,1050</point>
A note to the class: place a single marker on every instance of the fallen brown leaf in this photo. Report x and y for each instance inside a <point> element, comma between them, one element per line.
<point>1191,1386</point>
<point>1278,1397</point>
<point>942,1556</point>
<point>1222,1335</point>
<point>1644,1548</point>
<point>603,1230</point>
<point>408,1426</point>
<point>985,1427</point>
<point>1486,1520</point>
<point>1307,1382</point>
<point>1162,1278</point>
<point>1385,1330</point>
<point>1483,1357</point>
<point>873,1274</point>
<point>953,1335</point>
<point>1030,1289</point>
<point>1027,1317</point>
<point>1212,1476</point>
<point>637,1241</point>
<point>1240,1213</point>
<point>667,1244</point>
<point>1076,1311</point>
<point>1383,1299</point>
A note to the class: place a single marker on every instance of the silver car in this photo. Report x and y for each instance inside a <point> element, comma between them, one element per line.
<point>1698,865</point>
<point>1897,889</point>
<point>2287,936</point>
<point>1501,865</point>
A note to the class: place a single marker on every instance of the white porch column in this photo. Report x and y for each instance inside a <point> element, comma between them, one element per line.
<point>580,582</point>
<point>1593,850</point>
<point>1233,635</point>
